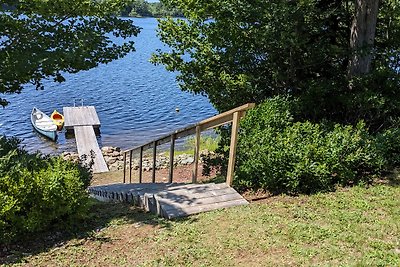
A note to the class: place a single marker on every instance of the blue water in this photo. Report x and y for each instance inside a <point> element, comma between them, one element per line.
<point>134,99</point>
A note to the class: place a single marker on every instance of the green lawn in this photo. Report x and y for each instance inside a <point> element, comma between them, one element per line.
<point>351,227</point>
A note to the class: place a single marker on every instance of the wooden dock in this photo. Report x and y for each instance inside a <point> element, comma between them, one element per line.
<point>171,200</point>
<point>80,116</point>
<point>84,121</point>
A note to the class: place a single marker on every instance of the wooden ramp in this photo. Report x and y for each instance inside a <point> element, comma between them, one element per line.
<point>171,200</point>
<point>83,121</point>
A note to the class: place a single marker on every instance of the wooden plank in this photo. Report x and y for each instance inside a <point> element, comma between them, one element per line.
<point>196,154</point>
<point>183,197</point>
<point>80,116</point>
<point>141,165</point>
<point>171,158</point>
<point>232,149</point>
<point>124,167</point>
<point>206,124</point>
<point>226,114</point>
<point>153,176</point>
<point>86,142</point>
<point>181,212</point>
<point>130,166</point>
<point>172,204</point>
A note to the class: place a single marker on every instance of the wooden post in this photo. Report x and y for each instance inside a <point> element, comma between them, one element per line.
<point>153,179</point>
<point>124,166</point>
<point>196,154</point>
<point>171,158</point>
<point>232,150</point>
<point>130,166</point>
<point>141,165</point>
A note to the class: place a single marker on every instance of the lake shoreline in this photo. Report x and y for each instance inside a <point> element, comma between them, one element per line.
<point>114,159</point>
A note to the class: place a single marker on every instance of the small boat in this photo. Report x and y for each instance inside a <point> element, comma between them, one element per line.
<point>43,124</point>
<point>58,119</point>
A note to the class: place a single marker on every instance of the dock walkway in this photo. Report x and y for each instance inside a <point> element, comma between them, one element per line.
<point>171,200</point>
<point>83,121</point>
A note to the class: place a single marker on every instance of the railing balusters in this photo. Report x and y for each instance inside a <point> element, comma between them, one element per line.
<point>124,166</point>
<point>130,166</point>
<point>141,165</point>
<point>233,116</point>
<point>153,179</point>
<point>196,154</point>
<point>171,158</point>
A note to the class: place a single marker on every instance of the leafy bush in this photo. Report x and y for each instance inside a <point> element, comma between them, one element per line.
<point>389,144</point>
<point>37,191</point>
<point>280,155</point>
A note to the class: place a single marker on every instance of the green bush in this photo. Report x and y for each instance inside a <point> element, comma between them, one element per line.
<point>389,144</point>
<point>280,155</point>
<point>38,191</point>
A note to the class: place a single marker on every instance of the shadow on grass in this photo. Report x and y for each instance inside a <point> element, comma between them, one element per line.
<point>100,216</point>
<point>394,178</point>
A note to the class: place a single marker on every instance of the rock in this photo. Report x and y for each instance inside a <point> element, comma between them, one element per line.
<point>110,161</point>
<point>115,154</point>
<point>187,161</point>
<point>107,149</point>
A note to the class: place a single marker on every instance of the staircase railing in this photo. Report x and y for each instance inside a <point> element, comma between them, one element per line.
<point>232,116</point>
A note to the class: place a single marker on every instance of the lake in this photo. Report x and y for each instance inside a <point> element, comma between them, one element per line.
<point>134,99</point>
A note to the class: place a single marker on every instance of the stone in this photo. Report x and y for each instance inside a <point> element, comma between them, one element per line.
<point>110,161</point>
<point>187,161</point>
<point>107,149</point>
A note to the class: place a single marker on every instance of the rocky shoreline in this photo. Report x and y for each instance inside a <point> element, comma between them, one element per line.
<point>115,160</point>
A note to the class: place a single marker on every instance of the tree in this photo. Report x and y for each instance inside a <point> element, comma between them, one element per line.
<point>237,51</point>
<point>44,39</point>
<point>362,36</point>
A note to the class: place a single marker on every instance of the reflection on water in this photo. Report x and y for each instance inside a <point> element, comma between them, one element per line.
<point>134,99</point>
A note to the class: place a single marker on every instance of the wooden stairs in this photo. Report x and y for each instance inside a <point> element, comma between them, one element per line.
<point>171,200</point>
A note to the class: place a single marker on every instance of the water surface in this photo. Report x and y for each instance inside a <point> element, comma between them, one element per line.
<point>134,99</point>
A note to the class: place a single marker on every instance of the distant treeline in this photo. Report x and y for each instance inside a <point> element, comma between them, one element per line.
<point>141,8</point>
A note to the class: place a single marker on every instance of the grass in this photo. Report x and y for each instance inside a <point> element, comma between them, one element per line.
<point>209,143</point>
<point>356,226</point>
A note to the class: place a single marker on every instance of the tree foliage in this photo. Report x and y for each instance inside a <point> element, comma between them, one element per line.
<point>237,51</point>
<point>44,39</point>
<point>141,8</point>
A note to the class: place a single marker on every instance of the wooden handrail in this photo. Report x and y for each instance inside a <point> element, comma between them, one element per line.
<point>233,115</point>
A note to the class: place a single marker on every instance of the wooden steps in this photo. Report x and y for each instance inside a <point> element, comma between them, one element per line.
<point>171,200</point>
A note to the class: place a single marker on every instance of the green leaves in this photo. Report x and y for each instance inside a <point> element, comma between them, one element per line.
<point>37,191</point>
<point>280,155</point>
<point>44,39</point>
<point>239,51</point>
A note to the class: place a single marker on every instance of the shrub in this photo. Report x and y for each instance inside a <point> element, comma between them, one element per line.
<point>389,145</point>
<point>38,191</point>
<point>280,155</point>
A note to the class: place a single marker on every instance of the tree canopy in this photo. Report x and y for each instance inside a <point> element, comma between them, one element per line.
<point>141,8</point>
<point>237,51</point>
<point>44,39</point>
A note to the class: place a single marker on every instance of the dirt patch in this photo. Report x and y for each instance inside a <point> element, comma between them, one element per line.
<point>182,174</point>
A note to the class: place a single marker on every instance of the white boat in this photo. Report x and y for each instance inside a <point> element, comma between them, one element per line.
<point>43,124</point>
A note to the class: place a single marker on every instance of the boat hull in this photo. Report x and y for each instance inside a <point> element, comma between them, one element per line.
<point>49,134</point>
<point>58,119</point>
<point>43,124</point>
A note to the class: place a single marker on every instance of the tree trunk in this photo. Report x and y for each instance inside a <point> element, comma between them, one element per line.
<point>362,36</point>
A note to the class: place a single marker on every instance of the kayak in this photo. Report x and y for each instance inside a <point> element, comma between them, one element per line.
<point>58,119</point>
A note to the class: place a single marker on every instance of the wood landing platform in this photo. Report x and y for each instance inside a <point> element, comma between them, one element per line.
<point>171,200</point>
